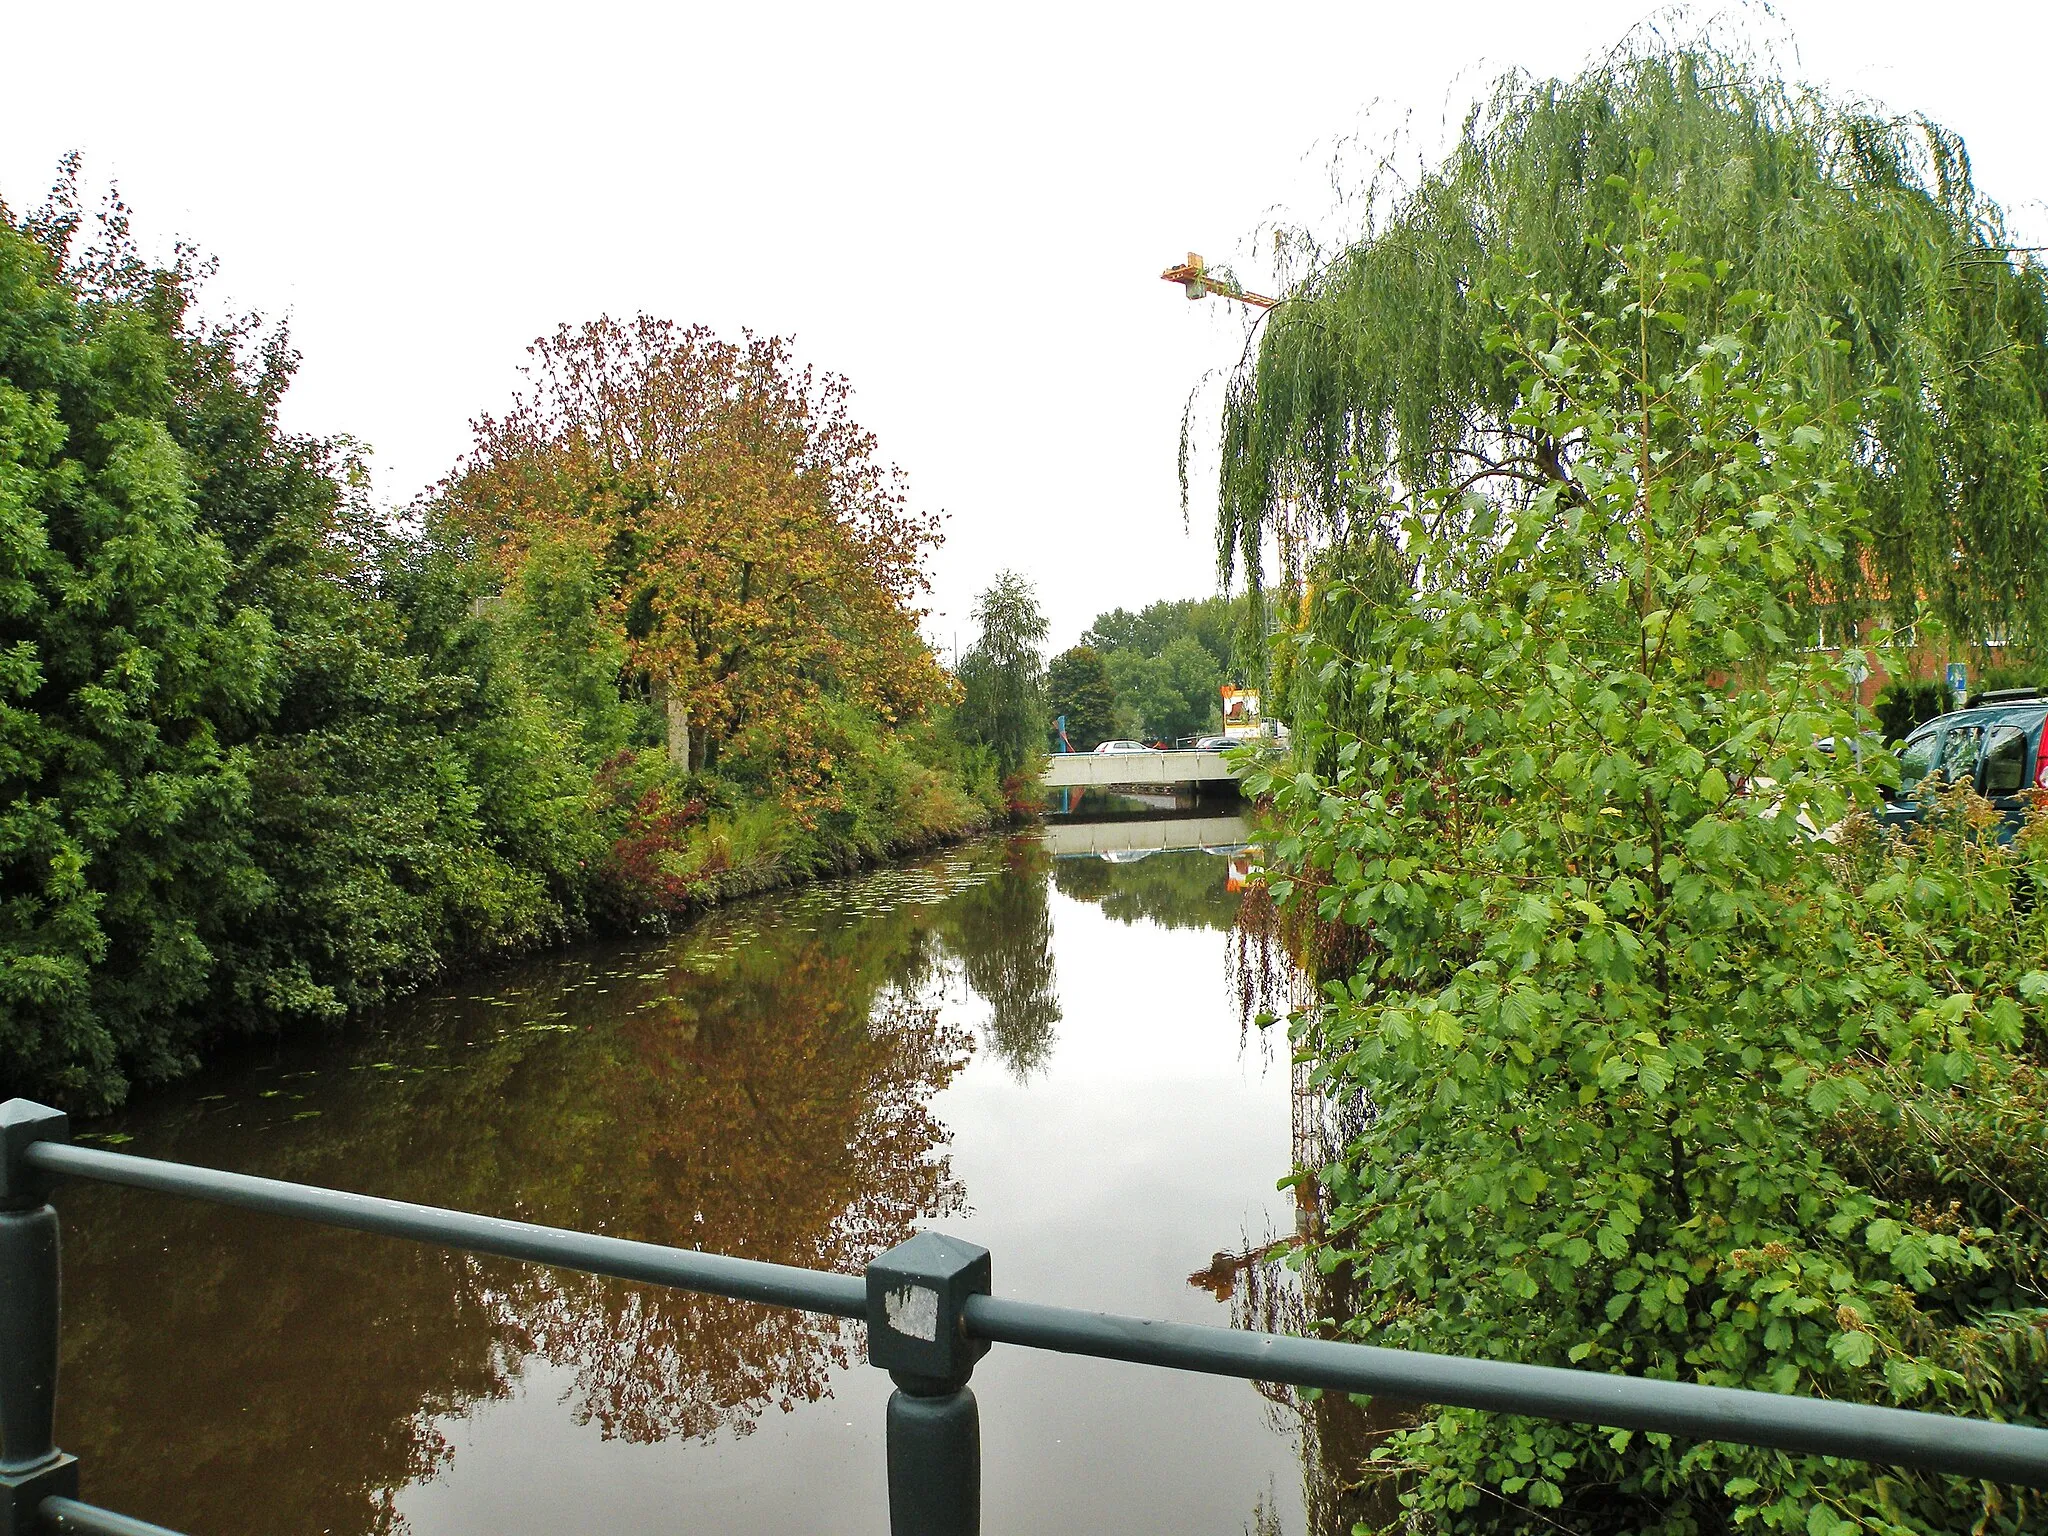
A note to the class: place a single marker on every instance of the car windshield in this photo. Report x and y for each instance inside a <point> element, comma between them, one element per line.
<point>1959,752</point>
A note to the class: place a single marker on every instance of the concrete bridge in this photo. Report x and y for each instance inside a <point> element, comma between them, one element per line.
<point>1076,770</point>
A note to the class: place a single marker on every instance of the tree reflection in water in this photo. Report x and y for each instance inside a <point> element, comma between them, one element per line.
<point>1002,935</point>
<point>1336,1436</point>
<point>834,1176</point>
<point>761,1086</point>
<point>1185,889</point>
<point>1266,1286</point>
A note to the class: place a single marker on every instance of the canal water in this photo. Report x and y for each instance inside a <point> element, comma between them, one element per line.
<point>1044,1056</point>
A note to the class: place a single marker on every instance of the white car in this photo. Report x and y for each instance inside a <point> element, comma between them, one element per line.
<point>1123,746</point>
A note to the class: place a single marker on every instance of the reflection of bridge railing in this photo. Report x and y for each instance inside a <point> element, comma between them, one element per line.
<point>1075,770</point>
<point>1216,834</point>
<point>930,1317</point>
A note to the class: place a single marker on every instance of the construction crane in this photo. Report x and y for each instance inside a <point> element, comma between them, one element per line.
<point>1195,277</point>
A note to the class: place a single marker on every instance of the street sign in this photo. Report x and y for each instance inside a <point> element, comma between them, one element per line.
<point>1958,682</point>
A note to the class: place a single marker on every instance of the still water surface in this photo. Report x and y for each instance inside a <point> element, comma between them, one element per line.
<point>1041,1056</point>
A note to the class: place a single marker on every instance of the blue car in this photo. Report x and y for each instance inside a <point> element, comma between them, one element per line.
<point>1999,744</point>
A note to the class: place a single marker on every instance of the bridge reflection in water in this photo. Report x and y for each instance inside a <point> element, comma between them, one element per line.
<point>1065,839</point>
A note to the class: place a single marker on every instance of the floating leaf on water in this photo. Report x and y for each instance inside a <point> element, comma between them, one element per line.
<point>307,1114</point>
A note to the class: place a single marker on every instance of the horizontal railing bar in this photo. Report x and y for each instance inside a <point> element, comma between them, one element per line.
<point>2004,1453</point>
<point>1978,1448</point>
<point>65,1516</point>
<point>683,1268</point>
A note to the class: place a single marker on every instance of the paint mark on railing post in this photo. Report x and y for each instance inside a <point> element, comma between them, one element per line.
<point>915,1294</point>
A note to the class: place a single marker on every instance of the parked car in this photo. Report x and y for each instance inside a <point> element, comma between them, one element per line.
<point>1213,743</point>
<point>1999,744</point>
<point>1123,746</point>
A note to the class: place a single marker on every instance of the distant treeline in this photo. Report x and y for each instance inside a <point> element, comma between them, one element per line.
<point>1152,675</point>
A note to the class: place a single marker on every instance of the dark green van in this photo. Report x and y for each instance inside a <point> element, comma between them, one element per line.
<point>2000,744</point>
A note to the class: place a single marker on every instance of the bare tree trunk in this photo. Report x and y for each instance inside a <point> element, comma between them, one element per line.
<point>679,732</point>
<point>676,713</point>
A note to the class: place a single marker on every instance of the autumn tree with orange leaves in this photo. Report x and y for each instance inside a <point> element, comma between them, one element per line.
<point>752,549</point>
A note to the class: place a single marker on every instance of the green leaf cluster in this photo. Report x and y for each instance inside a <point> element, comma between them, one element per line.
<point>1676,1066</point>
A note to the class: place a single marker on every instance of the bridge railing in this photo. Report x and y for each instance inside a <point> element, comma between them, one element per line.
<point>930,1316</point>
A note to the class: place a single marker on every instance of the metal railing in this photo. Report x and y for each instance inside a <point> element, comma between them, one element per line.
<point>930,1317</point>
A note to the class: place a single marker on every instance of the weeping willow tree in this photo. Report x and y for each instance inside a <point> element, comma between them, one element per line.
<point>1894,279</point>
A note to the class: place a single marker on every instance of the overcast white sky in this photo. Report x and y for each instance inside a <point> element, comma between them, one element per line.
<point>964,209</point>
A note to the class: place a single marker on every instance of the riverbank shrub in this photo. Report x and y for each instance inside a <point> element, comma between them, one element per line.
<point>126,669</point>
<point>1661,1081</point>
<point>266,763</point>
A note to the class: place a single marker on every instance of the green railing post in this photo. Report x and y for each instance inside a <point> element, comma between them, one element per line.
<point>31,1466</point>
<point>915,1295</point>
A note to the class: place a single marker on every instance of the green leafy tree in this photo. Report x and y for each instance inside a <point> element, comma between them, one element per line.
<point>1903,705</point>
<point>1077,687</point>
<point>1374,376</point>
<point>1663,1083</point>
<point>1144,695</point>
<point>1167,660</point>
<point>570,655</point>
<point>1167,696</point>
<point>1193,672</point>
<point>123,811</point>
<point>1002,676</point>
